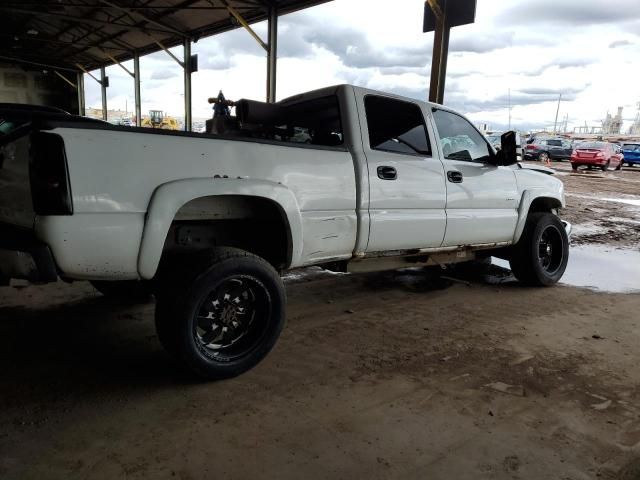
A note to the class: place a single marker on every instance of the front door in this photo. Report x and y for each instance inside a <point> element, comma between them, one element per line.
<point>407,192</point>
<point>482,199</point>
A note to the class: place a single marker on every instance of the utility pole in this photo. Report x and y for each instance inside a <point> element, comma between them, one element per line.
<point>509,95</point>
<point>555,123</point>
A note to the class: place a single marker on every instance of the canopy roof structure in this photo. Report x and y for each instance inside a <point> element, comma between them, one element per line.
<point>82,35</point>
<point>92,33</point>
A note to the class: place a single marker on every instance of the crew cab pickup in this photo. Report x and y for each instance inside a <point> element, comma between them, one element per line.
<point>343,177</point>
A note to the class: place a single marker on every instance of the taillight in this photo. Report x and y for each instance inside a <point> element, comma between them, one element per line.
<point>531,147</point>
<point>574,153</point>
<point>48,174</point>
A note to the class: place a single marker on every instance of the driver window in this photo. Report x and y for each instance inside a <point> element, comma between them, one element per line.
<point>396,126</point>
<point>459,139</point>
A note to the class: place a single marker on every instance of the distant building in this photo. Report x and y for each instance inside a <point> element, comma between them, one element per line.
<point>635,127</point>
<point>612,125</point>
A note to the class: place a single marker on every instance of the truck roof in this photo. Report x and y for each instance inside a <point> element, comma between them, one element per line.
<point>321,92</point>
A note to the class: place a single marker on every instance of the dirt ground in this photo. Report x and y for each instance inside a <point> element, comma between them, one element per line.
<point>388,375</point>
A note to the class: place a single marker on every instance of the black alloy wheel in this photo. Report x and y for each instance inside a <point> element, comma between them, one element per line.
<point>550,251</point>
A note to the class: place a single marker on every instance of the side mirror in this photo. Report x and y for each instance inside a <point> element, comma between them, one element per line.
<point>507,155</point>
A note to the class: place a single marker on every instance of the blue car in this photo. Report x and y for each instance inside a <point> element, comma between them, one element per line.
<point>631,152</point>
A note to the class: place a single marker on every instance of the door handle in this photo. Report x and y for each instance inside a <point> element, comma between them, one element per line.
<point>387,173</point>
<point>454,176</point>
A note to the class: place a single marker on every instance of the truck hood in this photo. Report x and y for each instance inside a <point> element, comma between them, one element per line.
<point>537,168</point>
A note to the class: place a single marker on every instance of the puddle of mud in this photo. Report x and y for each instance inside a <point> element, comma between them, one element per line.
<point>598,267</point>
<point>628,201</point>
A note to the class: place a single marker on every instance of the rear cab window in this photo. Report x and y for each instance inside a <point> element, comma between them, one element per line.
<point>396,126</point>
<point>314,122</point>
<point>460,140</point>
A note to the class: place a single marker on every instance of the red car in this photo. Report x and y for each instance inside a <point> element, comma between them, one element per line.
<point>596,154</point>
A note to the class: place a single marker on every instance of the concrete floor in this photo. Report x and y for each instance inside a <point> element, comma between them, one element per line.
<point>376,376</point>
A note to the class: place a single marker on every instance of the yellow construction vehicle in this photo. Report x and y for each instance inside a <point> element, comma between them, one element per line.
<point>157,119</point>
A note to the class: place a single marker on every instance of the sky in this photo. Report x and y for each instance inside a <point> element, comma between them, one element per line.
<point>530,51</point>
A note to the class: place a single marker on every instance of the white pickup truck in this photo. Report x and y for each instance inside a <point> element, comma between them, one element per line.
<point>344,177</point>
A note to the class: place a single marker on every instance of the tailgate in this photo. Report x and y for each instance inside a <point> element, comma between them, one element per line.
<point>15,193</point>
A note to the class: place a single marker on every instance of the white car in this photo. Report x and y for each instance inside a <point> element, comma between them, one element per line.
<point>343,177</point>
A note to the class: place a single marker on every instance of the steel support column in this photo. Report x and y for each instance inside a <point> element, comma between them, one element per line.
<point>272,54</point>
<point>80,88</point>
<point>103,88</point>
<point>186,65</point>
<point>136,88</point>
<point>439,59</point>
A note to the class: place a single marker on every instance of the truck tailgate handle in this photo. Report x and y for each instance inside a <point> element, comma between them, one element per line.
<point>387,173</point>
<point>454,176</point>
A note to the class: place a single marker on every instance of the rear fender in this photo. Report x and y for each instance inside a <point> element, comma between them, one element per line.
<point>170,197</point>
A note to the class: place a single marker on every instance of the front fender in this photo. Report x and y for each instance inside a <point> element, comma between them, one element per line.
<point>168,198</point>
<point>553,198</point>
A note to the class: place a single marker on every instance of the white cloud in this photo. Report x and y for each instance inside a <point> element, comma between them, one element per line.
<point>535,48</point>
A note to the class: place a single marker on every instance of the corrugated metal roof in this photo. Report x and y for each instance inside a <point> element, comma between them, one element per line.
<point>63,33</point>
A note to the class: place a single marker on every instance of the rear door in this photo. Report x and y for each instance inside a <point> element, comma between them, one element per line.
<point>482,199</point>
<point>407,192</point>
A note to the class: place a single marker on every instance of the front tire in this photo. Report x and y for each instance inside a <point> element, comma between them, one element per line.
<point>221,320</point>
<point>540,257</point>
<point>605,167</point>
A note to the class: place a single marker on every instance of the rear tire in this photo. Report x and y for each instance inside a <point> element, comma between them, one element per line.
<point>540,256</point>
<point>219,315</point>
<point>127,290</point>
<point>544,157</point>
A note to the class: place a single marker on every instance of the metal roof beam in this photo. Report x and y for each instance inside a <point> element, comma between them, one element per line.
<point>114,60</point>
<point>82,20</point>
<point>244,23</point>
<point>53,41</point>
<point>36,62</point>
<point>157,42</point>
<point>144,17</point>
<point>65,79</point>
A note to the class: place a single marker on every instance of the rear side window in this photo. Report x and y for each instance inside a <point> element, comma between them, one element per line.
<point>396,126</point>
<point>554,143</point>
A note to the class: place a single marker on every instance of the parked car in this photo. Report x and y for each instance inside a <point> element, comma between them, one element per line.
<point>631,152</point>
<point>208,222</point>
<point>548,148</point>
<point>494,140</point>
<point>603,155</point>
